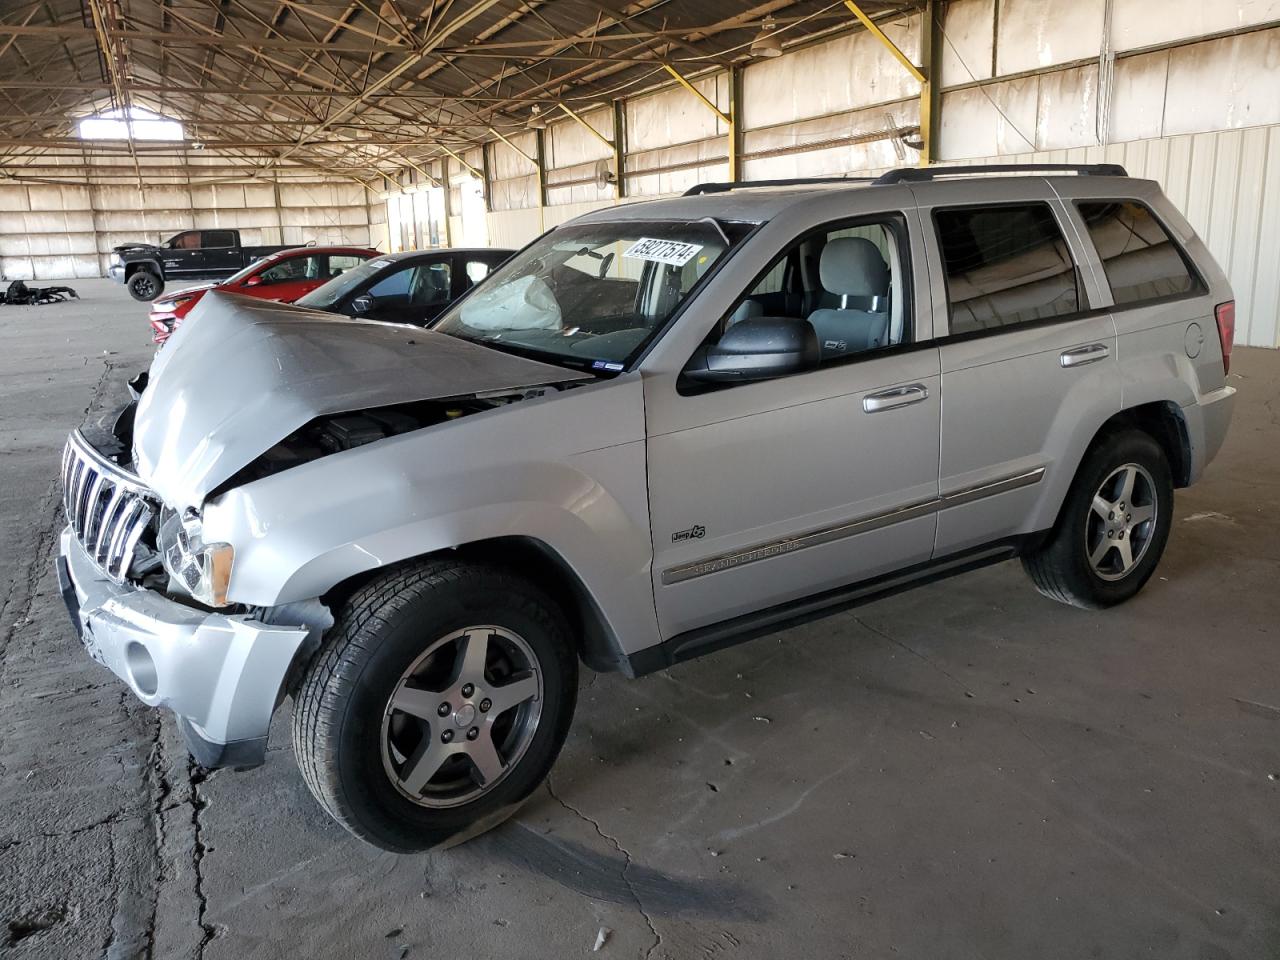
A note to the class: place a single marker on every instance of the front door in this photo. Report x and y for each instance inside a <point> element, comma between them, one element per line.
<point>222,254</point>
<point>763,493</point>
<point>414,293</point>
<point>1028,366</point>
<point>183,256</point>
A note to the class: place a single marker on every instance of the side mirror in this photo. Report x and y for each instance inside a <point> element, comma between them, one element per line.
<point>254,281</point>
<point>760,348</point>
<point>363,303</point>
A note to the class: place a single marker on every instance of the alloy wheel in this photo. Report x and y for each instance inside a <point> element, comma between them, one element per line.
<point>461,716</point>
<point>1121,521</point>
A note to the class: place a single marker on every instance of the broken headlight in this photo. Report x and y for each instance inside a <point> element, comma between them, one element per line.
<point>202,569</point>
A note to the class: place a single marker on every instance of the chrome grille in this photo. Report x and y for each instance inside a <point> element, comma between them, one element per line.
<point>107,507</point>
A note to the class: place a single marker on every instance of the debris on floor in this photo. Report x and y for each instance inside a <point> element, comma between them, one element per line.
<point>19,294</point>
<point>602,938</point>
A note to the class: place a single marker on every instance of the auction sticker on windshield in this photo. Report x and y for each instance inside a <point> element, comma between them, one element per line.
<point>663,251</point>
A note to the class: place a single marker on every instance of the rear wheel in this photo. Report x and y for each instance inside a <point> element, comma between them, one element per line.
<point>439,700</point>
<point>145,286</point>
<point>1113,526</point>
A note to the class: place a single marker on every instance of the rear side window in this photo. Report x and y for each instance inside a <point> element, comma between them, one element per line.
<point>342,262</point>
<point>219,238</point>
<point>1005,265</point>
<point>1141,260</point>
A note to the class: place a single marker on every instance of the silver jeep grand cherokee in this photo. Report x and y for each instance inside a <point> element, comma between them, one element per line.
<point>658,430</point>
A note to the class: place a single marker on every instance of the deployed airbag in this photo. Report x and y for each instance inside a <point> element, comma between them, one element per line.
<point>526,303</point>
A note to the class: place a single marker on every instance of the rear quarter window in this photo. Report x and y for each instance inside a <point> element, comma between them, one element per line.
<point>1006,265</point>
<point>1141,260</point>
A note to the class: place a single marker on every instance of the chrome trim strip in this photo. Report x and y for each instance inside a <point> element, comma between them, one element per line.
<point>849,528</point>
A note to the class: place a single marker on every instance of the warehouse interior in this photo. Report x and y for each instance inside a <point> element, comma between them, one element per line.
<point>966,770</point>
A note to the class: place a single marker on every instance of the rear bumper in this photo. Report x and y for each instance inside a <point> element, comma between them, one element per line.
<point>1207,422</point>
<point>222,675</point>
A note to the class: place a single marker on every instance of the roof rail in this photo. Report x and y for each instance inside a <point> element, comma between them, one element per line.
<point>919,174</point>
<point>742,184</point>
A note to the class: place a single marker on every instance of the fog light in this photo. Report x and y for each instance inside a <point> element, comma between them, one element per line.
<point>142,669</point>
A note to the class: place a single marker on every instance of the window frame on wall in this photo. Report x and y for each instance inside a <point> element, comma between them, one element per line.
<point>1199,287</point>
<point>1084,303</point>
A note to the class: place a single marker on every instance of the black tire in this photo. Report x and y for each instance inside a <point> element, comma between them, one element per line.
<point>1061,569</point>
<point>145,286</point>
<point>379,633</point>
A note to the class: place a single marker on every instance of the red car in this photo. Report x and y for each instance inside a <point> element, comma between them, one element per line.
<point>283,277</point>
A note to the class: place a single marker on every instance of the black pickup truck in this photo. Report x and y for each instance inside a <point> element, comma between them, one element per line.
<point>191,255</point>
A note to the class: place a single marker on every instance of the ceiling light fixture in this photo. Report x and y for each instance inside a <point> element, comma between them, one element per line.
<point>766,43</point>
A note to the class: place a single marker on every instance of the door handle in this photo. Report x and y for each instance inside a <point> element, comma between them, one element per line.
<point>897,397</point>
<point>1082,355</point>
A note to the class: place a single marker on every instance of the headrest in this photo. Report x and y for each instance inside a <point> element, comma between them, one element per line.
<point>853,267</point>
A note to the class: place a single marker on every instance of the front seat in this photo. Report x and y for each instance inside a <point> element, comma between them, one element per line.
<point>852,267</point>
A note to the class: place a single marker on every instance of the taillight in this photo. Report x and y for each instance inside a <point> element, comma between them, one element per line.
<point>1225,314</point>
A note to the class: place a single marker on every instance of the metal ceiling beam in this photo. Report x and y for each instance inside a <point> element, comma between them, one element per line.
<point>479,7</point>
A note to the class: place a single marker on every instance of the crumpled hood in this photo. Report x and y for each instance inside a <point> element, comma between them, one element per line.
<point>248,372</point>
<point>130,247</point>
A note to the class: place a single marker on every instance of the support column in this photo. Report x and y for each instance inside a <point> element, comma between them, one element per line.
<point>735,124</point>
<point>620,146</point>
<point>931,89</point>
<point>486,178</point>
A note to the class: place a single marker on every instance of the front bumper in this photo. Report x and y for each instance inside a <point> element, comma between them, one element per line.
<point>116,272</point>
<point>221,674</point>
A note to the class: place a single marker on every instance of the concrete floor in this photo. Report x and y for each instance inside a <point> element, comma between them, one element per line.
<point>966,771</point>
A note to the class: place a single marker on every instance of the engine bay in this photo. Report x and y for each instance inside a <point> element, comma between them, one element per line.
<point>339,432</point>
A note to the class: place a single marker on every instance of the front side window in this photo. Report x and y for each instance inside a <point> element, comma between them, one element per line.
<point>846,281</point>
<point>1005,265</point>
<point>185,241</point>
<point>295,268</point>
<point>592,294</point>
<point>328,294</point>
<point>429,285</point>
<point>1140,259</point>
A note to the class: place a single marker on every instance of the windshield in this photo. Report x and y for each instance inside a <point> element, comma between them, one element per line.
<point>327,294</point>
<point>595,294</point>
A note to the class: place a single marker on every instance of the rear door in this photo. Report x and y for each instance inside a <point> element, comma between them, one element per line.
<point>765,493</point>
<point>1027,351</point>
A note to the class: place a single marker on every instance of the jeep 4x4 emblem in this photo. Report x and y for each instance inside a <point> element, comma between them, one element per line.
<point>696,532</point>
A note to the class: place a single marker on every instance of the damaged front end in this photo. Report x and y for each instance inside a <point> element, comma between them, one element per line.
<point>222,672</point>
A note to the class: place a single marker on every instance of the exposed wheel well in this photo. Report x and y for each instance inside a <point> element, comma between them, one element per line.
<point>537,562</point>
<point>1163,421</point>
<point>132,268</point>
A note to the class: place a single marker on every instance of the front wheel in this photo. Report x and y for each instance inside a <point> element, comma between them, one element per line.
<point>438,701</point>
<point>145,286</point>
<point>1113,526</point>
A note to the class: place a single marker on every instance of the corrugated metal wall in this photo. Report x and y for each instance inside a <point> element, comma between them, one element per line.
<point>50,232</point>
